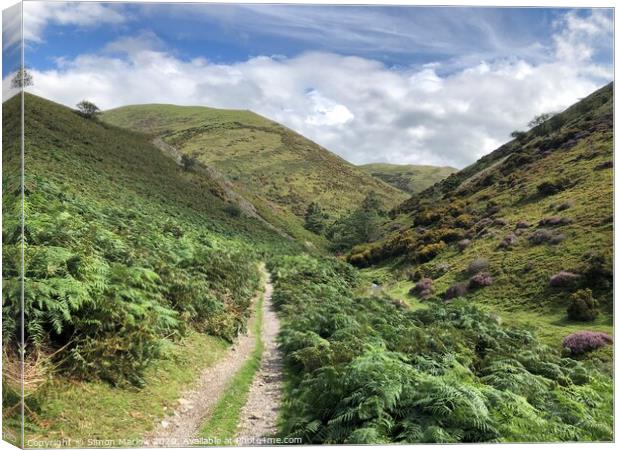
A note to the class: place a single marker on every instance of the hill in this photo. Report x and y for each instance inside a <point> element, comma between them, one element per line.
<point>539,206</point>
<point>126,252</point>
<point>276,169</point>
<point>409,178</point>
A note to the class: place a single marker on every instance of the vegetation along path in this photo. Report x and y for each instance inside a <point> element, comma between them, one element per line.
<point>196,404</point>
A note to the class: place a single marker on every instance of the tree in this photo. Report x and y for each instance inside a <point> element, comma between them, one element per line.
<point>22,79</point>
<point>518,135</point>
<point>539,119</point>
<point>371,202</point>
<point>88,109</point>
<point>187,162</point>
<point>360,226</point>
<point>315,218</point>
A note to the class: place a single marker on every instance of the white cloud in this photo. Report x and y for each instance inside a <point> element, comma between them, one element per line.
<point>354,106</point>
<point>580,36</point>
<point>37,15</point>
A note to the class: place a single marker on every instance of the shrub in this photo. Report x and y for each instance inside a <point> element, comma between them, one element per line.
<point>482,224</point>
<point>508,241</point>
<point>423,288</point>
<point>500,222</point>
<point>456,290</point>
<point>597,270</point>
<point>428,252</point>
<point>584,341</point>
<point>540,236</point>
<point>463,244</point>
<point>481,279</point>
<point>552,187</point>
<point>522,224</point>
<point>477,265</point>
<point>605,165</point>
<point>582,306</point>
<point>426,217</point>
<point>464,221</point>
<point>188,162</point>
<point>233,210</point>
<point>563,279</point>
<point>554,221</point>
<point>563,206</point>
<point>557,239</point>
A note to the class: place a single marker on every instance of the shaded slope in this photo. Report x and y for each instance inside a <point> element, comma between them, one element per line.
<point>278,170</point>
<point>409,178</point>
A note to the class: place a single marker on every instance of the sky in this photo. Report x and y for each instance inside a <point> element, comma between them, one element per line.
<point>419,85</point>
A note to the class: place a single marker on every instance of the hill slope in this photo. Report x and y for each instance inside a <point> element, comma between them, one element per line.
<point>409,178</point>
<point>278,170</point>
<point>533,208</point>
<point>125,251</point>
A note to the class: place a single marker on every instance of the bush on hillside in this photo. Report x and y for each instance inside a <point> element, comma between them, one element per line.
<point>464,221</point>
<point>540,236</point>
<point>423,288</point>
<point>563,279</point>
<point>582,306</point>
<point>509,240</point>
<point>233,210</point>
<point>500,222</point>
<point>581,342</point>
<point>551,187</point>
<point>463,244</point>
<point>428,252</point>
<point>557,239</point>
<point>563,206</point>
<point>480,280</point>
<point>477,265</point>
<point>597,270</point>
<point>554,221</point>
<point>455,291</point>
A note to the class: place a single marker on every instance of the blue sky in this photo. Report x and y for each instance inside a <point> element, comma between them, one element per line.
<point>400,84</point>
<point>396,36</point>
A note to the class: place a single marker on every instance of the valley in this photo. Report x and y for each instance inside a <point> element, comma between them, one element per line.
<point>199,273</point>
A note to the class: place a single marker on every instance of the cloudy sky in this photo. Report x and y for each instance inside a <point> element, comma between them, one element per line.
<point>416,85</point>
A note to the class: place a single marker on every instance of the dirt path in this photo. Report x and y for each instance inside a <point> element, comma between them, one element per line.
<point>177,429</point>
<point>259,415</point>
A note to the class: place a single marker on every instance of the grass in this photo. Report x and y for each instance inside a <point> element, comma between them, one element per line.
<point>96,410</point>
<point>409,178</point>
<point>221,426</point>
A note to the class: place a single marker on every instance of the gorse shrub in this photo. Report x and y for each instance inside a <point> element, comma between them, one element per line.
<point>428,252</point>
<point>582,306</point>
<point>365,371</point>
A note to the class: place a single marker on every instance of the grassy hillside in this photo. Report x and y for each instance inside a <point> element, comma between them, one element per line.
<point>408,177</point>
<point>127,255</point>
<point>535,207</point>
<point>278,170</point>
